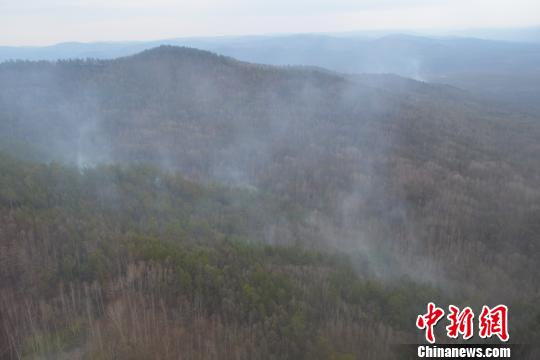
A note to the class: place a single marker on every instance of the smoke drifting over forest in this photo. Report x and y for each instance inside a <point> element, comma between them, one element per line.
<point>154,200</point>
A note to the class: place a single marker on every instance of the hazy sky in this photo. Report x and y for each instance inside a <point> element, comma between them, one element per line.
<point>39,22</point>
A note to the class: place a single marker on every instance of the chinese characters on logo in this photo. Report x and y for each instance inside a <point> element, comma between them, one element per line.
<point>429,320</point>
<point>494,322</point>
<point>460,322</point>
<point>491,322</point>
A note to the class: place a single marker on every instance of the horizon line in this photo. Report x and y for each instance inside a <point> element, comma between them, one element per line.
<point>437,32</point>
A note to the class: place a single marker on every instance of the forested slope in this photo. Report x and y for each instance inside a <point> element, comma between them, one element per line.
<point>409,179</point>
<point>136,263</point>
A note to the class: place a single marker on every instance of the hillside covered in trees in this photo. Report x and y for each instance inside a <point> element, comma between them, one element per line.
<point>504,68</point>
<point>179,203</point>
<point>135,263</point>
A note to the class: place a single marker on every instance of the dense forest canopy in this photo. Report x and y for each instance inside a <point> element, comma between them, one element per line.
<point>180,202</point>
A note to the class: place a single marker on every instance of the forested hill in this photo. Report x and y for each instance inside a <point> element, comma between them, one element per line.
<point>416,180</point>
<point>505,71</point>
<point>115,110</point>
<point>208,113</point>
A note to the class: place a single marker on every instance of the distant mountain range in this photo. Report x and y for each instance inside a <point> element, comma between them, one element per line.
<point>500,70</point>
